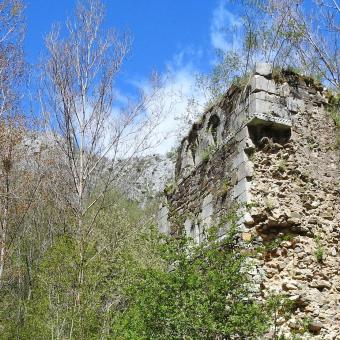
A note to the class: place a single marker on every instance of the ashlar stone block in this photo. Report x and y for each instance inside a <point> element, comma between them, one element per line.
<point>207,210</point>
<point>260,83</point>
<point>263,69</point>
<point>243,133</point>
<point>259,106</point>
<point>245,197</point>
<point>186,156</point>
<point>163,220</point>
<point>245,170</point>
<point>239,158</point>
<point>188,227</point>
<point>243,186</point>
<point>294,105</point>
<point>246,145</point>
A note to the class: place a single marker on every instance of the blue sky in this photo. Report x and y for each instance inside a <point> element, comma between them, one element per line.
<point>160,29</point>
<point>175,35</point>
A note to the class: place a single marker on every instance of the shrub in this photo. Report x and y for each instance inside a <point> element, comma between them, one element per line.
<point>207,153</point>
<point>282,165</point>
<point>201,292</point>
<point>224,188</point>
<point>319,251</point>
<point>170,188</point>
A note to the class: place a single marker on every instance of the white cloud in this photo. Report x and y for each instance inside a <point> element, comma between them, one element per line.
<point>223,28</point>
<point>178,89</point>
<point>179,86</point>
<point>179,83</point>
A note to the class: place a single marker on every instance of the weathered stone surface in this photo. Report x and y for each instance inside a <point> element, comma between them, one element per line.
<point>284,90</point>
<point>207,210</point>
<point>163,220</point>
<point>315,326</point>
<point>263,69</point>
<point>242,134</point>
<point>188,227</point>
<point>245,169</point>
<point>294,105</point>
<point>242,186</point>
<point>240,158</point>
<point>259,83</point>
<point>259,105</point>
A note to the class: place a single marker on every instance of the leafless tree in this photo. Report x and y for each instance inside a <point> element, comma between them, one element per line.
<point>95,140</point>
<point>302,34</point>
<point>20,179</point>
<point>11,127</point>
<point>12,64</point>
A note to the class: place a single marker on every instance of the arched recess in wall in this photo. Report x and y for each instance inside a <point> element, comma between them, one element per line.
<point>193,140</point>
<point>213,123</point>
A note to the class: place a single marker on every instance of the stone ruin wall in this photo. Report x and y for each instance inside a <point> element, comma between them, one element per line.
<point>272,148</point>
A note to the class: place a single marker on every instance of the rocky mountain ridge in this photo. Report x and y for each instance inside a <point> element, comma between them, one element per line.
<point>141,179</point>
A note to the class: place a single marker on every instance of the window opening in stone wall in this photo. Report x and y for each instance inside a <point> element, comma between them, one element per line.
<point>274,132</point>
<point>193,141</point>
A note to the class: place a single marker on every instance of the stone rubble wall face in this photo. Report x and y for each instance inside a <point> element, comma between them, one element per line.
<point>274,148</point>
<point>296,187</point>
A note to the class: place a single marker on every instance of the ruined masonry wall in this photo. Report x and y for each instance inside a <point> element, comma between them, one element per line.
<point>270,147</point>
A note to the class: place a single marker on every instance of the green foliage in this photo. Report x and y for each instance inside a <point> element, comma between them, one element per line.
<point>334,109</point>
<point>137,285</point>
<point>278,76</point>
<point>224,188</point>
<point>319,250</point>
<point>305,322</point>
<point>282,164</point>
<point>242,81</point>
<point>274,244</point>
<point>207,153</point>
<point>281,75</point>
<point>53,292</point>
<point>57,304</point>
<point>205,156</point>
<point>278,306</point>
<point>200,292</point>
<point>170,188</point>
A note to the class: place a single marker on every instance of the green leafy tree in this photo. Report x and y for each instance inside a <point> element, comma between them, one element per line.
<point>45,306</point>
<point>200,292</point>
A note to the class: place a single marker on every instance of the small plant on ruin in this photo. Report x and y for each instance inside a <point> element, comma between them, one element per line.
<point>170,188</point>
<point>274,244</point>
<point>250,205</point>
<point>278,306</point>
<point>282,164</point>
<point>207,153</point>
<point>304,325</point>
<point>319,250</point>
<point>269,203</point>
<point>205,157</point>
<point>278,75</point>
<point>224,188</point>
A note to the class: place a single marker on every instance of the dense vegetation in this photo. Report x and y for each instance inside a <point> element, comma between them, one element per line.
<point>200,292</point>
<point>137,285</point>
<point>78,260</point>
